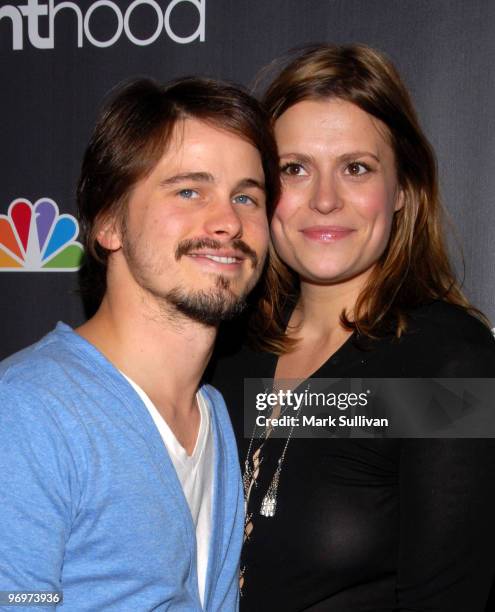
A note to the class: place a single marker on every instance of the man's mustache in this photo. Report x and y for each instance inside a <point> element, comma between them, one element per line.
<point>187,246</point>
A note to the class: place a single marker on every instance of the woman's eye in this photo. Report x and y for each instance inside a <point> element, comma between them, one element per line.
<point>243,199</point>
<point>188,194</point>
<point>357,169</point>
<point>293,169</point>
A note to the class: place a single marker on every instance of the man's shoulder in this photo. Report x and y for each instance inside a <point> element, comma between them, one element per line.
<point>61,372</point>
<point>43,363</point>
<point>32,361</point>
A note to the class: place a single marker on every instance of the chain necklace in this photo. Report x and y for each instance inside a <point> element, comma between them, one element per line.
<point>269,502</point>
<point>250,478</point>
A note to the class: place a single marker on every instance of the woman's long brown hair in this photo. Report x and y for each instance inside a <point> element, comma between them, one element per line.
<point>414,268</point>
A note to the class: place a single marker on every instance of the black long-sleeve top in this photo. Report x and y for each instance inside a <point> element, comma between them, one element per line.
<point>373,524</point>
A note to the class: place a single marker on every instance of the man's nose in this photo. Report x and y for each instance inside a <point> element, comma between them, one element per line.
<point>223,220</point>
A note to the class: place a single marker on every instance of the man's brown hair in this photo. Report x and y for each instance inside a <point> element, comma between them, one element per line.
<point>132,133</point>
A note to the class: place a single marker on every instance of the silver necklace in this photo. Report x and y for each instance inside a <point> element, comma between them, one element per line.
<point>269,503</point>
<point>250,478</point>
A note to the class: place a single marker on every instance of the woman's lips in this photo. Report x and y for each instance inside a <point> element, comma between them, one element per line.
<point>326,233</point>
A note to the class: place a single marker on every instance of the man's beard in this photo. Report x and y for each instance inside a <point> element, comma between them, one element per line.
<point>209,307</point>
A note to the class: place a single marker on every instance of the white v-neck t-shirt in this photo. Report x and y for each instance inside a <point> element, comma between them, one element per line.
<point>195,473</point>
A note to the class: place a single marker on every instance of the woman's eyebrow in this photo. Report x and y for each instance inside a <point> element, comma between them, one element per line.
<point>302,157</point>
<point>352,155</point>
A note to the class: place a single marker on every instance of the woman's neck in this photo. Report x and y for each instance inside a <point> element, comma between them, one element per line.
<point>320,307</point>
<point>315,322</point>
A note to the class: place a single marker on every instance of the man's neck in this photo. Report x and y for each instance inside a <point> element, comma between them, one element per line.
<point>165,354</point>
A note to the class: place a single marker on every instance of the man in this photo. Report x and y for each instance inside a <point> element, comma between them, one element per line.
<point>119,479</point>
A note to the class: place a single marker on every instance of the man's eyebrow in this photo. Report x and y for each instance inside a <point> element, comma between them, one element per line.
<point>206,177</point>
<point>251,182</point>
<point>197,177</point>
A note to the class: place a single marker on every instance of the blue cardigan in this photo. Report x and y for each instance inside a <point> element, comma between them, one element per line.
<point>90,503</point>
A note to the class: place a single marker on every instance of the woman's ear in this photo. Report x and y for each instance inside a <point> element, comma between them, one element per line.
<point>399,201</point>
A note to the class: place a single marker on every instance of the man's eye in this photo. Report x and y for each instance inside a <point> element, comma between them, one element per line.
<point>357,169</point>
<point>188,194</point>
<point>242,198</point>
<point>293,169</point>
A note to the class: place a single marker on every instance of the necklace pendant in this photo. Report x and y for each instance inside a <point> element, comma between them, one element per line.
<point>268,505</point>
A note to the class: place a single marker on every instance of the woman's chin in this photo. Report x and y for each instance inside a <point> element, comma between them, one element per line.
<point>333,277</point>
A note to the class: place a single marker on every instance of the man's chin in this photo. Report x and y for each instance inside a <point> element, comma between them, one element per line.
<point>207,307</point>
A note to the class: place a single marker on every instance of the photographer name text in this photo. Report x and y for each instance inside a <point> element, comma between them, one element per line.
<point>314,421</point>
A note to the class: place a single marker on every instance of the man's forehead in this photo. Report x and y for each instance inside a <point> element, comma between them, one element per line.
<point>192,133</point>
<point>204,151</point>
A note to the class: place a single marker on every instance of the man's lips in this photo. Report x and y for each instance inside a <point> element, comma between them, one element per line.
<point>210,250</point>
<point>219,256</point>
<point>326,233</point>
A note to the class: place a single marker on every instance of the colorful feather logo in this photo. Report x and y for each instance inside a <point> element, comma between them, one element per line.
<point>36,238</point>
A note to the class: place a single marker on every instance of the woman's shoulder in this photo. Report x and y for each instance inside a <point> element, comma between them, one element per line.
<point>448,320</point>
<point>450,338</point>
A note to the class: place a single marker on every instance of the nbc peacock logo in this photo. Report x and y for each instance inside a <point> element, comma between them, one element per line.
<point>37,238</point>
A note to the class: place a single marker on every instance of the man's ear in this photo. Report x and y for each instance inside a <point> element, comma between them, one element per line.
<point>109,235</point>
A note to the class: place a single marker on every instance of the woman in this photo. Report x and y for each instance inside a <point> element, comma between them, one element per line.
<point>359,285</point>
